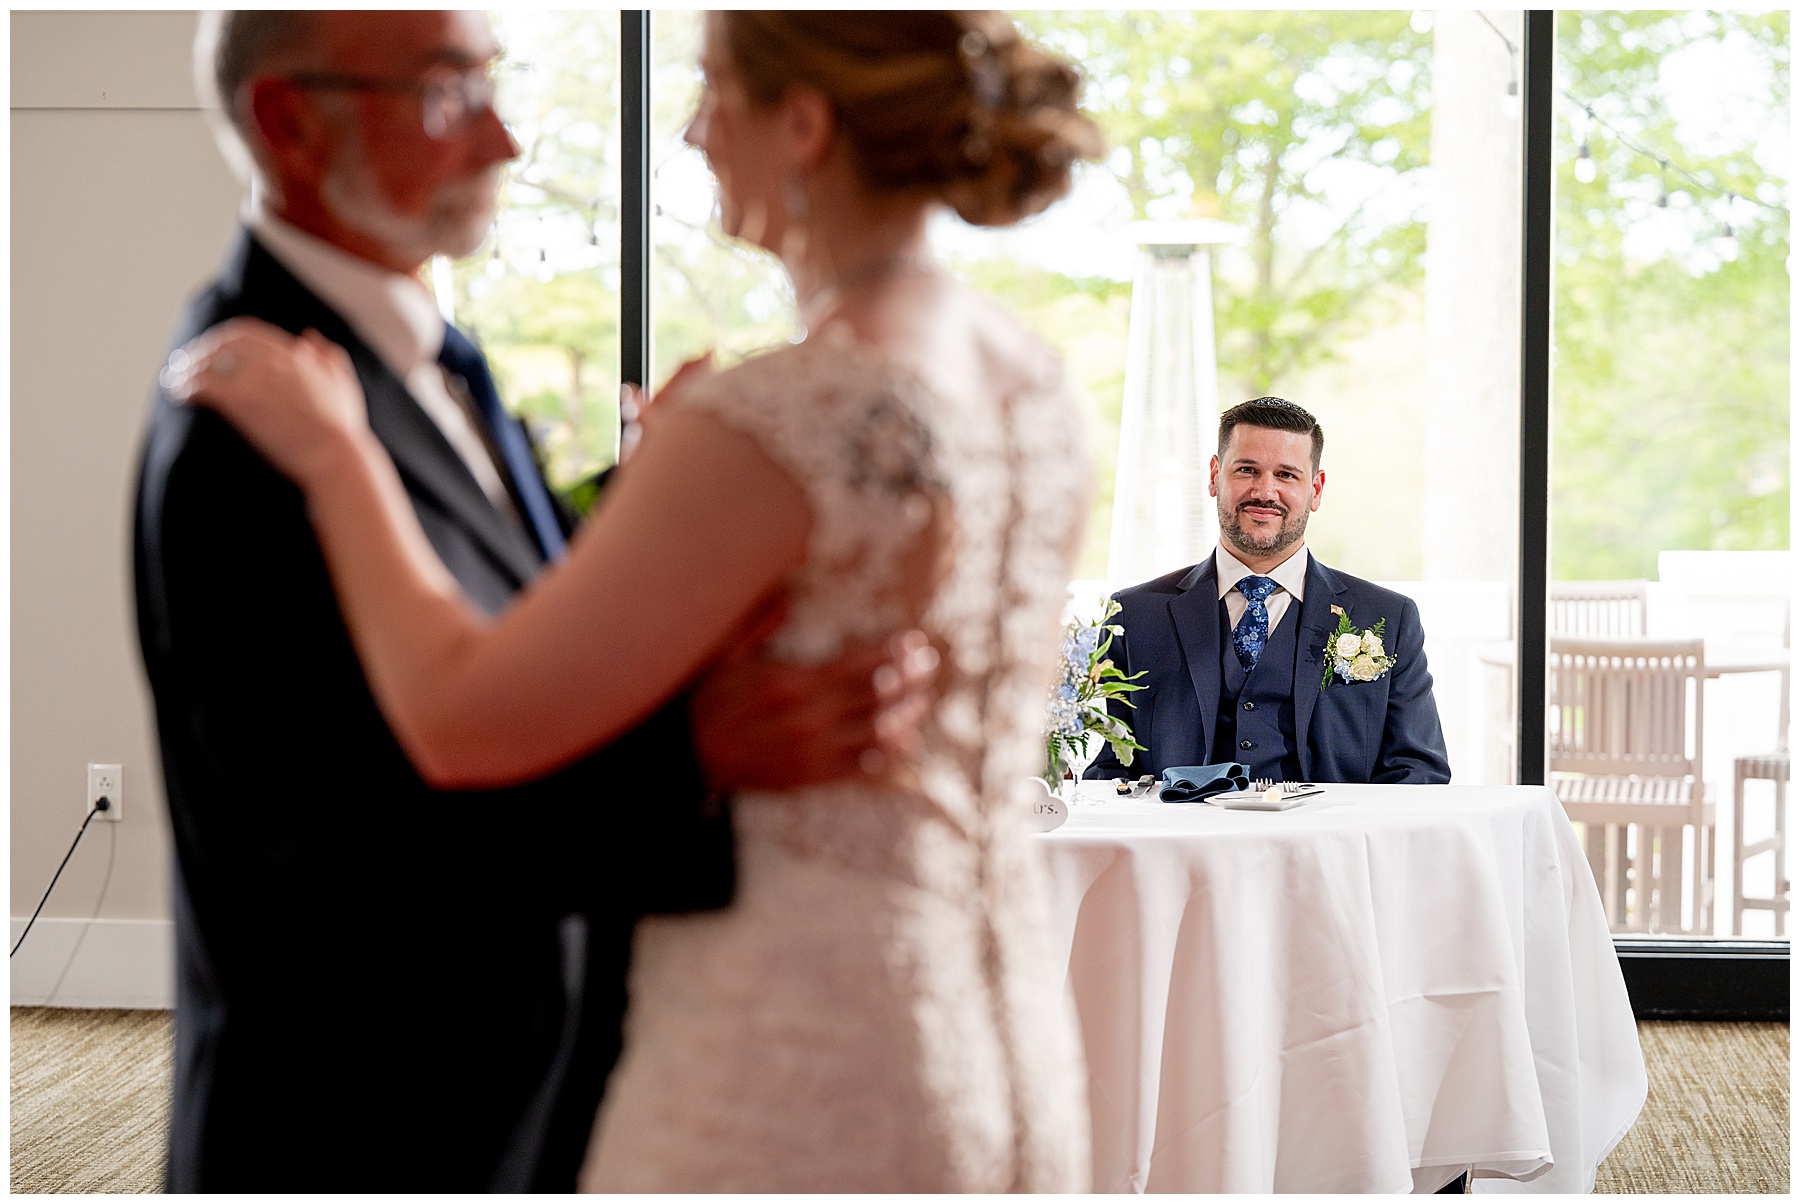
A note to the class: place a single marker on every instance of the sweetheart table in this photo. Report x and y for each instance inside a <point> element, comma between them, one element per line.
<point>1365,993</point>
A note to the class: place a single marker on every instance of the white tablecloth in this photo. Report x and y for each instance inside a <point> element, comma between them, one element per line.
<point>1365,993</point>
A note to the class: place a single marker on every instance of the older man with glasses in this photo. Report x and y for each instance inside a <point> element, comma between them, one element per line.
<point>382,986</point>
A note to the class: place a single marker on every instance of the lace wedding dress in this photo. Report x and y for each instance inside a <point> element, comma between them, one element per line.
<point>878,1009</point>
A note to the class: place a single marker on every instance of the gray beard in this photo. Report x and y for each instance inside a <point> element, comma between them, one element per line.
<point>452,227</point>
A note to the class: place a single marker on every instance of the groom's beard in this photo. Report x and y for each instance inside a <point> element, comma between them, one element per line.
<point>454,225</point>
<point>1291,531</point>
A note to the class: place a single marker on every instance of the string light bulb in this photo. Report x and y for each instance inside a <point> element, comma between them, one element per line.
<point>496,267</point>
<point>1510,104</point>
<point>1728,245</point>
<point>1586,170</point>
<point>1694,187</point>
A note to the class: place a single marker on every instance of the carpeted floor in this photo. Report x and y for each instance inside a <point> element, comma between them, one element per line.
<point>1717,1117</point>
<point>90,1097</point>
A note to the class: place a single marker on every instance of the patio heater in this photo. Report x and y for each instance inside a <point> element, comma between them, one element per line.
<point>1162,516</point>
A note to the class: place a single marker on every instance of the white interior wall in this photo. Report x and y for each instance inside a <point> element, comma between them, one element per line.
<point>121,208</point>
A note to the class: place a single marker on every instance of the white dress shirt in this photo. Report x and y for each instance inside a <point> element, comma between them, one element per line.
<point>1289,577</point>
<point>396,315</point>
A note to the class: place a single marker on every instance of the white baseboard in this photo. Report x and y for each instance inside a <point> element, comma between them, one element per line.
<point>94,964</point>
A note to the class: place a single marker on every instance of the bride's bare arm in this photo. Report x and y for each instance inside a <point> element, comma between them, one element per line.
<point>696,529</point>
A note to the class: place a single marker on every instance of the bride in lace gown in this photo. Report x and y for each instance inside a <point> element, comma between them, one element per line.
<point>878,1010</point>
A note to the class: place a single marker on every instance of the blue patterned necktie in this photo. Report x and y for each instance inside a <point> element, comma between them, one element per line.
<point>461,357</point>
<point>1252,631</point>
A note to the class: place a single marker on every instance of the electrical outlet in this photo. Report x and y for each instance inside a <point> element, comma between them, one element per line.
<point>106,781</point>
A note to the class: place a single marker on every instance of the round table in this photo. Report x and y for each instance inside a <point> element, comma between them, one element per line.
<point>1368,992</point>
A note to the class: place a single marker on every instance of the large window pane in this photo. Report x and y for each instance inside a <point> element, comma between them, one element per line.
<point>707,292</point>
<point>1670,488</point>
<point>1367,166</point>
<point>542,295</point>
<point>1347,187</point>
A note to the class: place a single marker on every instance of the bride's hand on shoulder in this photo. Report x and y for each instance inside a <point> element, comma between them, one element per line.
<point>296,399</point>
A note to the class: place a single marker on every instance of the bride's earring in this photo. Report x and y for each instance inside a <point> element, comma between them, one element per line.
<point>794,193</point>
<point>793,235</point>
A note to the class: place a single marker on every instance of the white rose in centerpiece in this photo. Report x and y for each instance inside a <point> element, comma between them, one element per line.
<point>1349,644</point>
<point>1365,668</point>
<point>1371,644</point>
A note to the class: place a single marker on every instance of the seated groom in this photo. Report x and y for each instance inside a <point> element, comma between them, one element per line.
<point>1233,648</point>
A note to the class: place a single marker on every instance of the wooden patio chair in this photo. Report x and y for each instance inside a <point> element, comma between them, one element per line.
<point>1769,767</point>
<point>1606,609</point>
<point>1623,714</point>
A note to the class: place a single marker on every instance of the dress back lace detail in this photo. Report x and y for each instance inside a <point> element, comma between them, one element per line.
<point>879,1010</point>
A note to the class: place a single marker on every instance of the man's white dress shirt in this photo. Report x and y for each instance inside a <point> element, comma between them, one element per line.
<point>1289,577</point>
<point>396,315</point>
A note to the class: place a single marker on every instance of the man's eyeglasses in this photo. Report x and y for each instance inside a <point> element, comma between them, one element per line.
<point>447,103</point>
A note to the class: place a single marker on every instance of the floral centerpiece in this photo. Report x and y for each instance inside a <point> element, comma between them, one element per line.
<point>1077,707</point>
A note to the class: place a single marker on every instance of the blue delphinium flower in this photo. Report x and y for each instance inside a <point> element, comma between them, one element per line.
<point>1077,706</point>
<point>1087,640</point>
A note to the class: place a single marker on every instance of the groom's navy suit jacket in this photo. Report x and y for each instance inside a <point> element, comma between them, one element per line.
<point>1380,731</point>
<point>381,986</point>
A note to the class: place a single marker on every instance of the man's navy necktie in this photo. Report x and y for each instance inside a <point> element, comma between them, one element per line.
<point>1252,631</point>
<point>461,357</point>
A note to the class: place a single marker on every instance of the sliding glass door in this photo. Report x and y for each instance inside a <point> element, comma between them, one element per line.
<point>1670,498</point>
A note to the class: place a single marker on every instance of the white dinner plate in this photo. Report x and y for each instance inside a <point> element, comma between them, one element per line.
<point>1255,800</point>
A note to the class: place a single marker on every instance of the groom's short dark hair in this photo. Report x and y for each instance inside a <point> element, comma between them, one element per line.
<point>1274,414</point>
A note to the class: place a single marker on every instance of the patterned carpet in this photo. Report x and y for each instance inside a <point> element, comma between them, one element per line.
<point>1717,1118</point>
<point>90,1099</point>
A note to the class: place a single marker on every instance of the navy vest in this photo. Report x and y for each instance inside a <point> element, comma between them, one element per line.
<point>1255,723</point>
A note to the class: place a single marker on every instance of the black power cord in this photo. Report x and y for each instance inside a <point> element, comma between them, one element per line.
<point>100,804</point>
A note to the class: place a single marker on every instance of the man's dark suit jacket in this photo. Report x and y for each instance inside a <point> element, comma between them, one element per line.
<point>379,987</point>
<point>1378,731</point>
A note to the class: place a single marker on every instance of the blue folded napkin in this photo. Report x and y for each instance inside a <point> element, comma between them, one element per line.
<point>1191,783</point>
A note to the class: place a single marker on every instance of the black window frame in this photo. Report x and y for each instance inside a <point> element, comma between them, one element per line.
<point>1667,978</point>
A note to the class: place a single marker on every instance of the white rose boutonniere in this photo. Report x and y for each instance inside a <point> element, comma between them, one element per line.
<point>1355,655</point>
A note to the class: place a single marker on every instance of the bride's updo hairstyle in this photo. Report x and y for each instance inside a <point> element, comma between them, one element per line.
<point>956,103</point>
